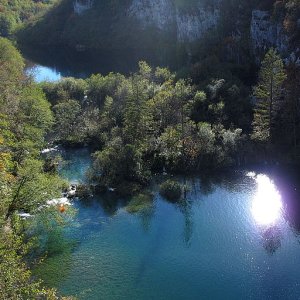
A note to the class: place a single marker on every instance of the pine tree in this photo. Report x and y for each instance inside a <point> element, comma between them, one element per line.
<point>268,94</point>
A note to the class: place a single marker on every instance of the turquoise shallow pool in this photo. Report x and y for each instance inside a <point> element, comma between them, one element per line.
<point>233,237</point>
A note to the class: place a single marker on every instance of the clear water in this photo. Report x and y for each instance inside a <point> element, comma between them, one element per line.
<point>75,164</point>
<point>233,237</point>
<point>43,73</point>
<point>52,63</point>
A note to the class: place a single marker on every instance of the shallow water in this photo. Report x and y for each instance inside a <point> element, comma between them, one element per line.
<point>235,236</point>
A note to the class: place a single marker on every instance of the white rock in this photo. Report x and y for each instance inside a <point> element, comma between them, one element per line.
<point>54,202</point>
<point>47,150</point>
<point>24,215</point>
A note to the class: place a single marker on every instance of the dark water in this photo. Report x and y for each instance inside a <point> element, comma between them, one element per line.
<point>52,63</point>
<point>235,236</point>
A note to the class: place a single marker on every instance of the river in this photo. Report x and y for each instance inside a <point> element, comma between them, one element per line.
<point>235,236</point>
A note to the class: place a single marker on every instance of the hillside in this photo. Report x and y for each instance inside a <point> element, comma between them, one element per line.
<point>239,25</point>
<point>15,13</point>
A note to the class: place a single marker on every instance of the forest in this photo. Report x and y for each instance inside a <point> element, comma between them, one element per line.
<point>138,125</point>
<point>210,115</point>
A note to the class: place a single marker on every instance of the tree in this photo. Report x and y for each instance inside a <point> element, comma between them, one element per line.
<point>292,109</point>
<point>11,75</point>
<point>25,117</point>
<point>30,122</point>
<point>67,116</point>
<point>268,94</point>
<point>137,121</point>
<point>32,187</point>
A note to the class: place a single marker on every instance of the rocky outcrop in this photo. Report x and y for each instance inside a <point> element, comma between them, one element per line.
<point>80,6</point>
<point>184,23</point>
<point>266,34</point>
<point>157,13</point>
<point>163,14</point>
<point>193,26</point>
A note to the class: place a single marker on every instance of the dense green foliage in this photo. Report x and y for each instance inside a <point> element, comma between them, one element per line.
<point>148,121</point>
<point>268,94</point>
<point>25,119</point>
<point>14,13</point>
<point>171,190</point>
<point>153,121</point>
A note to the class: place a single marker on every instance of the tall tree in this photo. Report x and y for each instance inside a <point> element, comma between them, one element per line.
<point>268,94</point>
<point>291,113</point>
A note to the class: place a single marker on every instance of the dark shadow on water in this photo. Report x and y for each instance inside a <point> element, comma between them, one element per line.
<point>185,207</point>
<point>152,253</point>
<point>146,217</point>
<point>272,239</point>
<point>72,63</point>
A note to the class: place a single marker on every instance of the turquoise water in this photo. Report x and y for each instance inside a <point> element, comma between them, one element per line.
<point>235,236</point>
<point>43,73</point>
<point>75,164</point>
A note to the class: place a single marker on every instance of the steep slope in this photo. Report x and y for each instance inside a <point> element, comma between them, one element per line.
<point>233,29</point>
<point>135,23</point>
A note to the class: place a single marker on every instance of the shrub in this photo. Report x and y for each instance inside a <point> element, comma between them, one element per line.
<point>171,190</point>
<point>140,203</point>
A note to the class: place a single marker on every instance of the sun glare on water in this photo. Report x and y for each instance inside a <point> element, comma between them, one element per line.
<point>267,204</point>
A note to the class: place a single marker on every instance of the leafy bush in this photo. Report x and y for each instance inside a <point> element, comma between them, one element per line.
<point>171,190</point>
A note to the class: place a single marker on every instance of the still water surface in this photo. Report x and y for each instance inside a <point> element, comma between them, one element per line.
<point>52,63</point>
<point>235,236</point>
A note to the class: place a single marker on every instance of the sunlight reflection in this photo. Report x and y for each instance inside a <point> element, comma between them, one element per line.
<point>267,204</point>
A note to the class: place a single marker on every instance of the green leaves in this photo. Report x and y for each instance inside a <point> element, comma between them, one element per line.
<point>268,93</point>
<point>25,118</point>
<point>67,121</point>
<point>33,187</point>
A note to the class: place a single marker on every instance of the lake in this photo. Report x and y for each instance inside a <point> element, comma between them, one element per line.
<point>52,63</point>
<point>234,236</point>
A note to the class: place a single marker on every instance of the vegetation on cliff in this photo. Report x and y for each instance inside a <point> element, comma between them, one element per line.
<point>24,186</point>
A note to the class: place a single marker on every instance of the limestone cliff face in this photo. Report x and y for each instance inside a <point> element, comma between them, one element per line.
<point>157,13</point>
<point>163,14</point>
<point>265,33</point>
<point>193,26</point>
<point>191,23</point>
<point>80,6</point>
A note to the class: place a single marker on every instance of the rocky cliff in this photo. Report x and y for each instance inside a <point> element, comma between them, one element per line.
<point>266,33</point>
<point>238,25</point>
<point>190,25</point>
<point>157,13</point>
